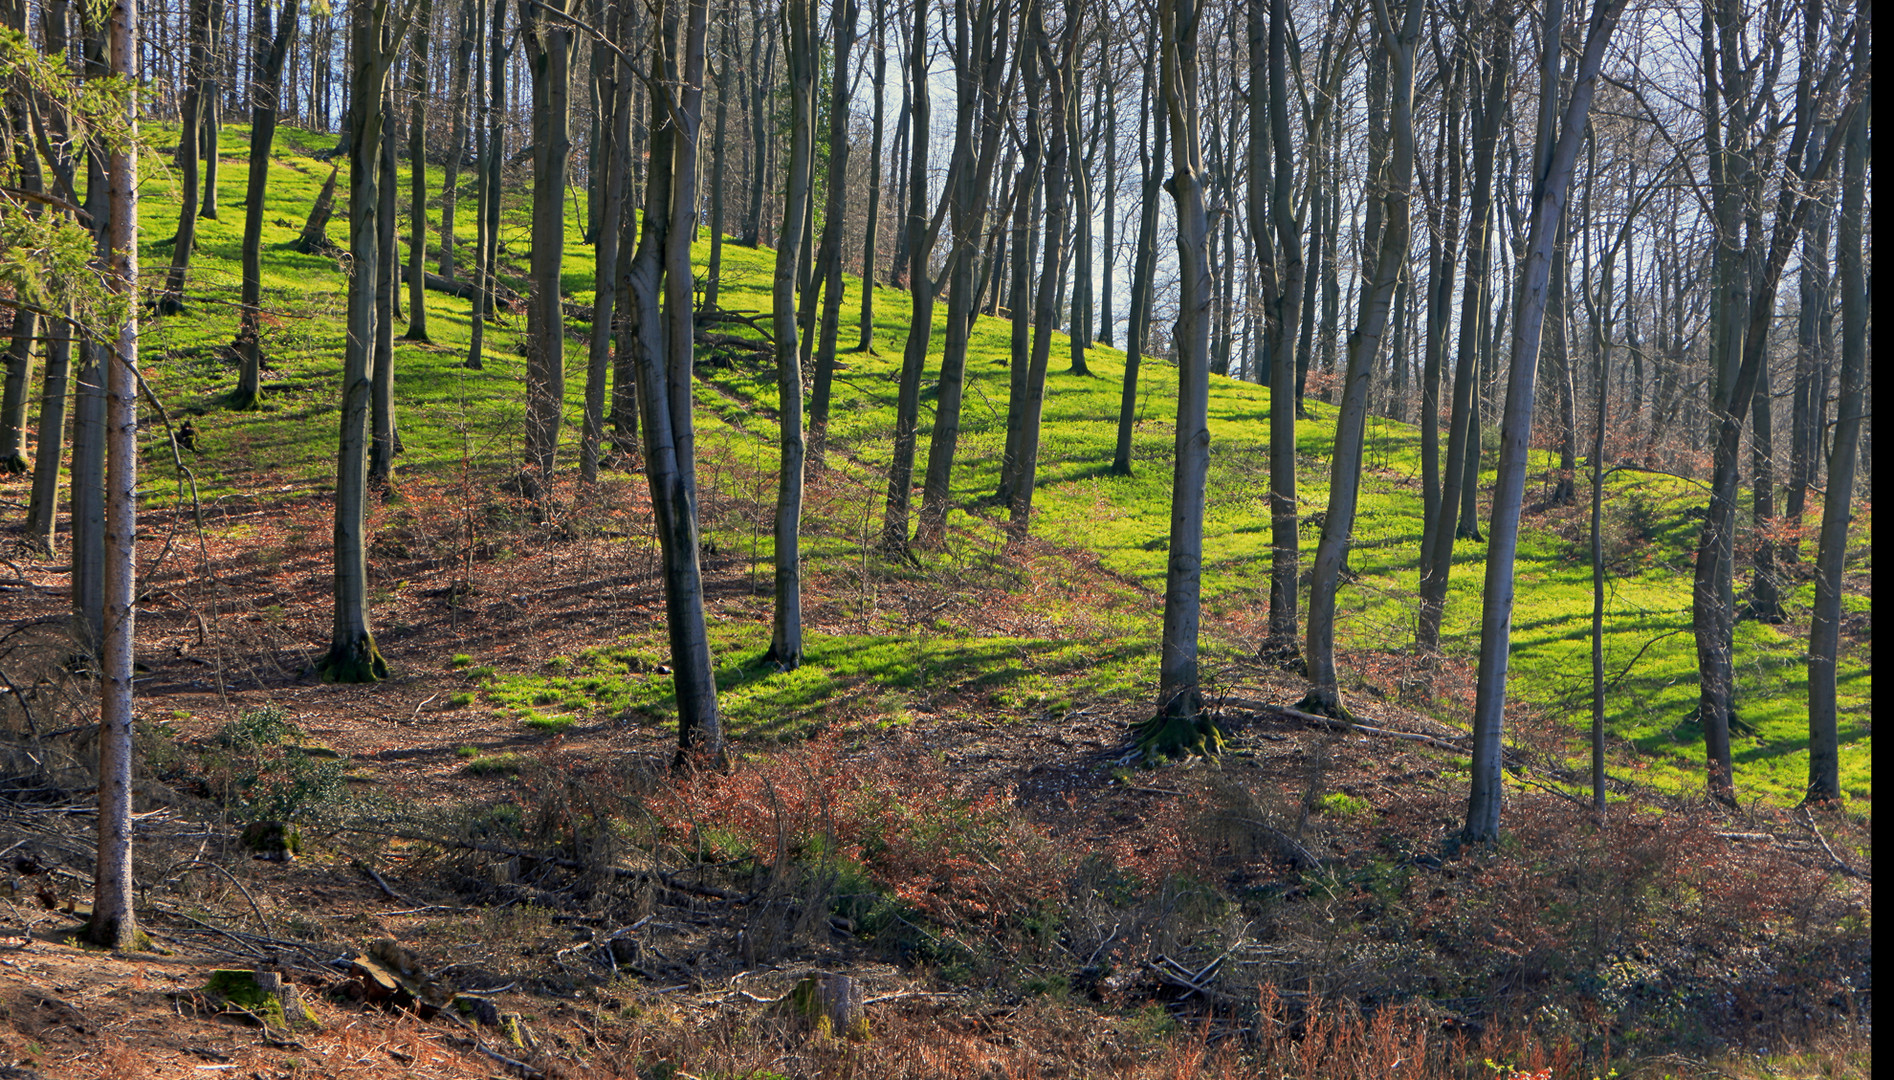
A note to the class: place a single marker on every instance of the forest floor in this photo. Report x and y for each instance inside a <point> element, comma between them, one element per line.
<point>939,803</point>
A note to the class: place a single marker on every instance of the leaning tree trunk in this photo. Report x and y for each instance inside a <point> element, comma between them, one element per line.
<point>699,724</point>
<point>114,923</point>
<point>828,264</point>
<point>1824,782</point>
<point>171,300</point>
<point>922,287</point>
<point>983,31</point>
<point>1547,215</point>
<point>785,645</point>
<point>266,88</point>
<point>1364,346</point>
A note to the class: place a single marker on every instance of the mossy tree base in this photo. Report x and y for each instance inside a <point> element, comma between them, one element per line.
<point>354,662</point>
<point>1176,735</point>
<point>1325,701</point>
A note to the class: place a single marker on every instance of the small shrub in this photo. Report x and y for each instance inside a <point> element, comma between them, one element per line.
<point>495,765</point>
<point>460,660</point>
<point>460,701</point>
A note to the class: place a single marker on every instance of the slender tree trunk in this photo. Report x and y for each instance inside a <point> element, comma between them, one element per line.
<point>615,88</point>
<point>1283,288</point>
<point>872,230</point>
<point>88,434</point>
<point>381,420</point>
<point>713,276</point>
<point>1364,346</point>
<point>1463,433</point>
<point>171,301</point>
<point>211,110</point>
<point>1181,725</point>
<point>42,514</point>
<point>417,177</point>
<point>466,44</point>
<point>114,923</point>
<point>265,90</point>
<point>920,235</point>
<point>1831,560</point>
<point>828,265</point>
<point>352,656</point>
<point>1020,370</point>
<point>1059,94</point>
<point>1143,266</point>
<point>1547,214</point>
<point>493,147</point>
<point>549,44</point>
<point>785,647</point>
<point>982,28</point>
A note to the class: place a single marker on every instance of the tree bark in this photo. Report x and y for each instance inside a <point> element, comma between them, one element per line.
<point>549,42</point>
<point>1824,780</point>
<point>785,646</point>
<point>271,50</point>
<point>828,265</point>
<point>1364,346</point>
<point>1181,725</point>
<point>1547,212</point>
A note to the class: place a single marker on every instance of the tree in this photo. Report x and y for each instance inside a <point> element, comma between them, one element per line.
<point>265,90</point>
<point>1143,265</point>
<point>615,89</point>
<point>114,920</point>
<point>376,41</point>
<point>872,231</point>
<point>785,644</point>
<point>171,300</point>
<point>466,44</point>
<point>1547,212</point>
<point>1364,346</point>
<point>1181,723</point>
<point>844,14</point>
<point>1824,780</point>
<point>548,35</point>
<point>417,177</point>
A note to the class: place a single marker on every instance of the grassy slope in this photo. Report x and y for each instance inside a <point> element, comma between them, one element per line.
<point>454,418</point>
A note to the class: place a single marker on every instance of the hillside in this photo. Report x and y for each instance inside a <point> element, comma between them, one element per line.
<point>936,801</point>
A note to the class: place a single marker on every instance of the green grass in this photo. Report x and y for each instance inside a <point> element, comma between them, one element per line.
<point>457,423</point>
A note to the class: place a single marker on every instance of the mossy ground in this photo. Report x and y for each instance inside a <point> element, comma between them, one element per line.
<point>459,424</point>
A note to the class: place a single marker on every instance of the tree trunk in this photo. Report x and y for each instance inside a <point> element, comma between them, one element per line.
<point>828,265</point>
<point>615,85</point>
<point>1547,213</point>
<point>1459,481</point>
<point>1824,781</point>
<point>1364,346</point>
<point>713,277</point>
<point>785,646</point>
<point>42,514</point>
<point>1059,94</point>
<point>417,177</point>
<point>352,656</point>
<point>1283,286</point>
<point>114,923</point>
<point>979,65</point>
<point>1181,725</point>
<point>271,50</point>
<point>872,231</point>
<point>1143,266</point>
<point>466,43</point>
<point>171,300</point>
<point>1020,370</point>
<point>381,419</point>
<point>493,143</point>
<point>212,110</point>
<point>549,43</point>
<point>921,236</point>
